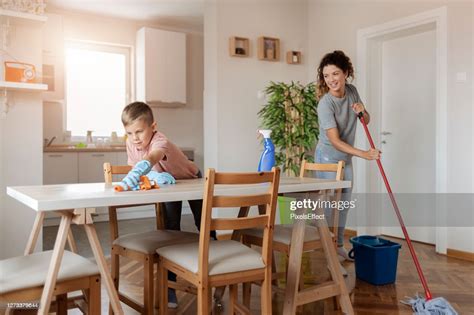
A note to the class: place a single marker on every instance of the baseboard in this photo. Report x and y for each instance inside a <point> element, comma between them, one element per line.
<point>413,241</point>
<point>454,253</point>
<point>459,254</point>
<point>123,214</point>
<point>350,233</point>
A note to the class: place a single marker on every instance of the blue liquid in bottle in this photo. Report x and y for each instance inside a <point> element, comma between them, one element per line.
<point>267,160</point>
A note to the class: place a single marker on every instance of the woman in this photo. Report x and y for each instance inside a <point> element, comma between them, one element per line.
<point>338,107</point>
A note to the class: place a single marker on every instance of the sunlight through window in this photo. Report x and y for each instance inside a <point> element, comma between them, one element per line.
<point>96,88</point>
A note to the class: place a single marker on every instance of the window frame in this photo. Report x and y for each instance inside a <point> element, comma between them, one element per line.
<point>126,50</point>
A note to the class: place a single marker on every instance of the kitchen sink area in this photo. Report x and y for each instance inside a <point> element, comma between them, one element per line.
<point>68,148</point>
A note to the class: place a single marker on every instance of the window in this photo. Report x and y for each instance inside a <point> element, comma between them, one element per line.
<point>97,87</point>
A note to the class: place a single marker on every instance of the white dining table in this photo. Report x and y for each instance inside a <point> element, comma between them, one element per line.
<point>76,203</point>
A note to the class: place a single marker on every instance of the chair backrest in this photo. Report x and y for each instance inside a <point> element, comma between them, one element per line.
<point>110,170</point>
<point>337,168</point>
<point>265,219</point>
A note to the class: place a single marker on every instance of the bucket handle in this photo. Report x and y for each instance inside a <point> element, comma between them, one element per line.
<point>351,254</point>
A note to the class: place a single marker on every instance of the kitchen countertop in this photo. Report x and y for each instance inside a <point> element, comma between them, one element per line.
<point>74,149</point>
<point>189,152</point>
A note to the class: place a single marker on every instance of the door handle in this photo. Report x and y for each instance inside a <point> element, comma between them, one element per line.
<point>385,133</point>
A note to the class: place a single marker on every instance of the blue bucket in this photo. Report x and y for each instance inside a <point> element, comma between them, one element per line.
<point>375,259</point>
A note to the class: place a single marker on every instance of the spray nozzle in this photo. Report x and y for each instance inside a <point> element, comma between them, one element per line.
<point>265,132</point>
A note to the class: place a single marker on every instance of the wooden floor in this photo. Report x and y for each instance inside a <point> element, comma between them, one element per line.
<point>450,278</point>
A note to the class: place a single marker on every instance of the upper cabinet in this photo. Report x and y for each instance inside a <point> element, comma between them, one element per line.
<point>161,67</point>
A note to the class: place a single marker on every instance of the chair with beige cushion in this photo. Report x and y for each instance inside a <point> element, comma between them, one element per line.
<point>22,279</point>
<point>140,247</point>
<point>283,233</point>
<point>207,263</point>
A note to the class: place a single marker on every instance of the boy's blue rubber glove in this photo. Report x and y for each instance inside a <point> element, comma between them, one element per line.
<point>133,177</point>
<point>161,178</point>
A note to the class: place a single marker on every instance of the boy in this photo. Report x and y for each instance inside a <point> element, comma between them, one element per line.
<point>148,149</point>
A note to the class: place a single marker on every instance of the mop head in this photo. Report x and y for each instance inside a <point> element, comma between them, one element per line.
<point>436,306</point>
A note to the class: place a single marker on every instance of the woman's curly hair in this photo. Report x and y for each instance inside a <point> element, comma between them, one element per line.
<point>338,59</point>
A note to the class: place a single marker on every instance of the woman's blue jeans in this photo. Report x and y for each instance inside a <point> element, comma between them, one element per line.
<point>346,192</point>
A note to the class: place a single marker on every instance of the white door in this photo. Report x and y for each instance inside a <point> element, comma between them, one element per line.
<point>408,131</point>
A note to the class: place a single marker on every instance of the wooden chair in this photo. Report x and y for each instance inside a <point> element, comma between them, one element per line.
<point>208,264</point>
<point>283,233</point>
<point>23,277</point>
<point>140,247</point>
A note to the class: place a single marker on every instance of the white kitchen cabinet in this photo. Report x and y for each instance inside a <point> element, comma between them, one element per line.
<point>79,167</point>
<point>161,67</point>
<point>91,170</point>
<point>91,165</point>
<point>121,160</point>
<point>60,168</point>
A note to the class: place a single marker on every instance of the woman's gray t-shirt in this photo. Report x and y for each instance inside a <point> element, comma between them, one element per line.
<point>334,112</point>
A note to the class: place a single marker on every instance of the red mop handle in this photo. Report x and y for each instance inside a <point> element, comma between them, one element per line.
<point>397,211</point>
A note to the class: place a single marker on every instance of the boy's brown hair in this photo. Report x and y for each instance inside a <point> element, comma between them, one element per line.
<point>137,110</point>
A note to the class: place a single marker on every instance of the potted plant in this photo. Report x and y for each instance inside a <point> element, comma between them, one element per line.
<point>291,115</point>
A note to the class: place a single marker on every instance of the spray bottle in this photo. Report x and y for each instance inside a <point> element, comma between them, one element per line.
<point>267,160</point>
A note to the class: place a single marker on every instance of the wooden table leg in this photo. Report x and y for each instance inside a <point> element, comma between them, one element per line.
<point>37,225</point>
<point>71,242</point>
<point>294,265</point>
<point>104,270</point>
<point>331,256</point>
<point>55,263</point>
<point>73,248</point>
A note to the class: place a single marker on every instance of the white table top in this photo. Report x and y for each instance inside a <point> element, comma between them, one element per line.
<point>72,196</point>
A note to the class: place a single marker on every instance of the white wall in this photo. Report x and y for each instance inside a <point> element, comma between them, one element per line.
<point>211,87</point>
<point>21,160</point>
<point>2,188</point>
<point>334,24</point>
<point>183,126</point>
<point>231,83</point>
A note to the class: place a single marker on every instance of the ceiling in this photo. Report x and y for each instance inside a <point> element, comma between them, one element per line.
<point>186,12</point>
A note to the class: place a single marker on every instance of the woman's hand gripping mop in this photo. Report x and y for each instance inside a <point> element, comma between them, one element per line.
<point>142,178</point>
<point>427,305</point>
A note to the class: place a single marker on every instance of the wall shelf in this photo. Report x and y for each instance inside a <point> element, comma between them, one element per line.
<point>268,48</point>
<point>22,18</point>
<point>293,57</point>
<point>6,86</point>
<point>26,87</point>
<point>239,46</point>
